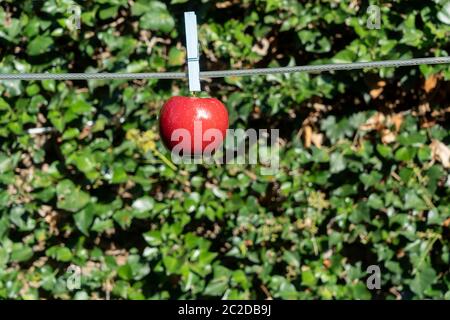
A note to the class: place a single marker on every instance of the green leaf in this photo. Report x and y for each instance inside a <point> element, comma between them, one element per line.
<point>171,264</point>
<point>291,258</point>
<point>119,175</point>
<point>63,254</point>
<point>409,139</point>
<point>375,201</point>
<point>444,14</point>
<point>191,202</point>
<point>123,218</point>
<point>371,179</point>
<point>59,253</point>
<point>143,207</point>
<point>337,162</point>
<point>361,292</point>
<point>4,256</point>
<point>157,18</point>
<point>405,154</point>
<point>32,90</point>
<point>153,237</point>
<point>336,130</point>
<point>216,287</point>
<point>424,154</point>
<point>423,280</point>
<point>80,107</point>
<point>108,13</point>
<point>384,150</point>
<point>125,272</point>
<point>308,278</point>
<point>39,45</point>
<point>84,218</point>
<point>21,253</point>
<point>413,201</point>
<point>6,163</point>
<point>177,57</point>
<point>70,197</point>
<point>344,56</point>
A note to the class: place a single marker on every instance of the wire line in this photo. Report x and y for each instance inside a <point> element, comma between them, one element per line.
<point>91,76</point>
<point>326,67</point>
<point>226,73</point>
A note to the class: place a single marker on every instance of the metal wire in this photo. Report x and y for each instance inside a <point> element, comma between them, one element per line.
<point>326,67</point>
<point>226,73</point>
<point>91,76</point>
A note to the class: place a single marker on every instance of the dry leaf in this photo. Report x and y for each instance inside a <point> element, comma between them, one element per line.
<point>224,5</point>
<point>317,139</point>
<point>424,108</point>
<point>319,107</point>
<point>430,83</point>
<point>51,217</point>
<point>375,122</point>
<point>377,88</point>
<point>375,93</point>
<point>84,133</point>
<point>446,223</point>
<point>397,120</point>
<point>428,124</point>
<point>263,48</point>
<point>327,263</point>
<point>440,113</point>
<point>307,136</point>
<point>387,136</point>
<point>440,152</point>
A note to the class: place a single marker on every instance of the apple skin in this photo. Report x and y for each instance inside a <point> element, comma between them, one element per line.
<point>183,112</point>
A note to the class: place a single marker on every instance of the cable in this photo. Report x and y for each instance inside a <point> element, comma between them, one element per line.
<point>90,76</point>
<point>326,67</point>
<point>226,73</point>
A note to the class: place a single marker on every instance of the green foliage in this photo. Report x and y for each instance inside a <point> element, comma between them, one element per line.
<point>363,177</point>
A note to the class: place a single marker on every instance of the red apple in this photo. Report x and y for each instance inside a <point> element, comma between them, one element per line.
<point>193,124</point>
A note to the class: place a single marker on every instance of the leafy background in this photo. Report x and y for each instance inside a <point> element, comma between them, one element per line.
<point>363,176</point>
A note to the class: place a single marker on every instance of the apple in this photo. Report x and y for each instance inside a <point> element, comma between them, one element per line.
<point>192,124</point>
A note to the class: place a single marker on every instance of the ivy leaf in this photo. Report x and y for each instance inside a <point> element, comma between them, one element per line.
<point>444,14</point>
<point>143,206</point>
<point>413,201</point>
<point>39,45</point>
<point>337,162</point>
<point>70,197</point>
<point>84,218</point>
<point>360,291</point>
<point>21,252</point>
<point>423,280</point>
<point>59,253</point>
<point>216,287</point>
<point>157,18</point>
<point>171,264</point>
<point>308,278</point>
<point>177,57</point>
<point>336,130</point>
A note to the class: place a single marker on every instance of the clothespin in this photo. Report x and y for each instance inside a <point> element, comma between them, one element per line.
<point>190,23</point>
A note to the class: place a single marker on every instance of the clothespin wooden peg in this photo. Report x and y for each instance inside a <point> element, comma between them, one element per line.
<point>190,22</point>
